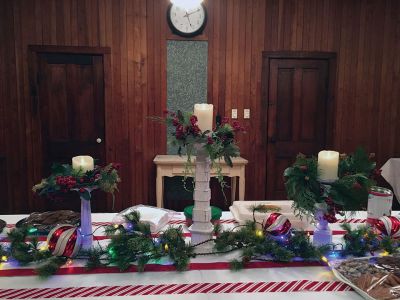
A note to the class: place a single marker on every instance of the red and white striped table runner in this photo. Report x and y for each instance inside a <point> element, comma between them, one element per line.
<point>185,288</point>
<point>226,221</point>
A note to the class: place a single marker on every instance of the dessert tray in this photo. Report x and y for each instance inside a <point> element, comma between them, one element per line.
<point>45,221</point>
<point>374,278</point>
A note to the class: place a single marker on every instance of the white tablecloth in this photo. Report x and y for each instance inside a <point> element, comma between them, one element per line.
<point>286,274</point>
<point>391,173</point>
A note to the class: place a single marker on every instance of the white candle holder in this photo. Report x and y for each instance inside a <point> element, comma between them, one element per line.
<point>322,233</point>
<point>86,221</point>
<point>202,229</point>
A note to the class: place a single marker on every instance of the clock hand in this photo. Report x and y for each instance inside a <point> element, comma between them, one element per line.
<point>187,16</point>
<point>193,12</point>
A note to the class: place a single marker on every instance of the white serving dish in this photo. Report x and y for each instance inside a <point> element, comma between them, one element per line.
<point>349,283</point>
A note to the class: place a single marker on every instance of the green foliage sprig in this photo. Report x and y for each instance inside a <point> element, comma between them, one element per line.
<point>349,192</point>
<point>254,245</point>
<point>138,246</point>
<point>25,250</point>
<point>364,240</point>
<point>24,247</point>
<point>302,185</point>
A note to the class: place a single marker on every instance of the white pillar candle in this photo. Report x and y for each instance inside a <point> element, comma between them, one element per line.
<point>328,163</point>
<point>204,114</point>
<point>84,162</point>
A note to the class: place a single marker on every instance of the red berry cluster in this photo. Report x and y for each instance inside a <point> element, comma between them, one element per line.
<point>331,218</point>
<point>225,120</point>
<point>116,166</point>
<point>193,120</point>
<point>357,186</point>
<point>182,131</point>
<point>333,209</point>
<point>376,174</point>
<point>237,127</point>
<point>303,168</point>
<point>66,182</point>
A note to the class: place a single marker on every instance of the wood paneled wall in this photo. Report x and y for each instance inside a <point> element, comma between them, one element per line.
<point>365,34</point>
<point>134,31</point>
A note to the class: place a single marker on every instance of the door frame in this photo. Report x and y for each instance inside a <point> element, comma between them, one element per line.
<point>33,101</point>
<point>330,57</point>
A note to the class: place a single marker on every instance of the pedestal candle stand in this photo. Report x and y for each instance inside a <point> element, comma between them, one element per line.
<point>202,229</point>
<point>322,233</point>
<point>86,222</point>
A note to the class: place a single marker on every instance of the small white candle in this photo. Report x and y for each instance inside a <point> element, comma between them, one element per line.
<point>84,162</point>
<point>204,114</point>
<point>328,163</point>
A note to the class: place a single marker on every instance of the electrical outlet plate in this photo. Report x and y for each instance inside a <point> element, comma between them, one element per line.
<point>234,113</point>
<point>246,113</point>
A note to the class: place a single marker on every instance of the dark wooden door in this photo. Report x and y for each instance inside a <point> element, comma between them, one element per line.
<point>71,110</point>
<point>298,91</point>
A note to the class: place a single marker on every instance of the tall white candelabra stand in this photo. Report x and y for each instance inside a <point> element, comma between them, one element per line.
<point>322,233</point>
<point>202,229</point>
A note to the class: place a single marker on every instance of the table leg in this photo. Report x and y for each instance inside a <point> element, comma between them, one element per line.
<point>242,184</point>
<point>233,188</point>
<point>159,191</point>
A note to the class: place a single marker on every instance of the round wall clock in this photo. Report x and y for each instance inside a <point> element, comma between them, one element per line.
<point>187,23</point>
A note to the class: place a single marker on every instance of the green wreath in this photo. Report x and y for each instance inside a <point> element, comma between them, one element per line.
<point>350,192</point>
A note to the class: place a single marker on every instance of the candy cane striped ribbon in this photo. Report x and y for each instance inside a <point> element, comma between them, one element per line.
<point>185,288</point>
<point>351,221</point>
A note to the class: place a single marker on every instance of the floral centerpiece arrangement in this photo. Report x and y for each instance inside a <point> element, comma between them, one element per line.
<point>82,177</point>
<point>64,178</point>
<point>219,143</point>
<point>356,173</point>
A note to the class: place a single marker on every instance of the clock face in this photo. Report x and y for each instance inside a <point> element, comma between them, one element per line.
<point>187,23</point>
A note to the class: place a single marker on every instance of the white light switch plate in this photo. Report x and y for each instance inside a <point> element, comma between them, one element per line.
<point>234,113</point>
<point>246,113</point>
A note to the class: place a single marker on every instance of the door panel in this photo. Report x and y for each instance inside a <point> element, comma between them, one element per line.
<point>297,108</point>
<point>71,109</point>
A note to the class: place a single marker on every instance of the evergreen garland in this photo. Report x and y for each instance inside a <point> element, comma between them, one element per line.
<point>135,245</point>
<point>254,245</point>
<point>24,247</point>
<point>364,240</point>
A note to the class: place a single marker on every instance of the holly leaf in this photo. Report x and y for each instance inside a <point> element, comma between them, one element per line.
<point>59,168</point>
<point>228,160</point>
